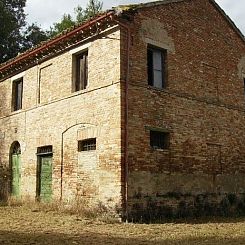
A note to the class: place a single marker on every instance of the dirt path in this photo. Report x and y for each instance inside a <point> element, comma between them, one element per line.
<point>19,225</point>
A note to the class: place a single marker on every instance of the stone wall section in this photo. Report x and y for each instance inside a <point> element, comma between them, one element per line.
<point>54,115</point>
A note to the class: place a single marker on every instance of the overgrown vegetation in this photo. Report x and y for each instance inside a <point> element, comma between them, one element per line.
<point>4,183</point>
<point>79,207</point>
<point>180,206</point>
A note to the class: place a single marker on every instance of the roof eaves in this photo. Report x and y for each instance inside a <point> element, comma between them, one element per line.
<point>132,7</point>
<point>41,49</point>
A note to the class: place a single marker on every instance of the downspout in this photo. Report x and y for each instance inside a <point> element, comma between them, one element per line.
<point>126,171</point>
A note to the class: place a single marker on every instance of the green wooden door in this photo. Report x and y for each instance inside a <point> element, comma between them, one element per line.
<point>45,178</point>
<point>16,175</point>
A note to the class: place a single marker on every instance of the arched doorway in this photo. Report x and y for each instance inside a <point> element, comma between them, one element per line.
<point>15,166</point>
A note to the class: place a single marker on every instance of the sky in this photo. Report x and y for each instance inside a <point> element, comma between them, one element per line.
<point>46,12</point>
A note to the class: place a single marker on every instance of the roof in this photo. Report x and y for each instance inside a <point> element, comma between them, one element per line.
<point>67,39</point>
<point>77,34</point>
<point>145,5</point>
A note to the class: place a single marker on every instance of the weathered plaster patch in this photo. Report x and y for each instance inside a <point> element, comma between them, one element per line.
<point>241,67</point>
<point>152,32</point>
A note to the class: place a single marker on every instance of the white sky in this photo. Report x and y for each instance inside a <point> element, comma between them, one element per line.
<point>46,12</point>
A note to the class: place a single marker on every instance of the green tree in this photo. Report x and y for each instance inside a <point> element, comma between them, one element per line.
<point>33,35</point>
<point>12,19</point>
<point>65,23</point>
<point>93,8</point>
<point>15,35</point>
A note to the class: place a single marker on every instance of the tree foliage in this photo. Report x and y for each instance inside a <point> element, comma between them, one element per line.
<point>33,35</point>
<point>81,14</point>
<point>15,35</point>
<point>12,19</point>
<point>65,23</point>
<point>93,8</point>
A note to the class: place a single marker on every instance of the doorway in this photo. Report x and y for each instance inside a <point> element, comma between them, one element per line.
<point>44,173</point>
<point>15,166</point>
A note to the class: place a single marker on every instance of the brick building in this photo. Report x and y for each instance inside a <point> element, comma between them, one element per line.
<point>141,108</point>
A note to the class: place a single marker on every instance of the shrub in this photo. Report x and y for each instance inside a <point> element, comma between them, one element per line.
<point>4,183</point>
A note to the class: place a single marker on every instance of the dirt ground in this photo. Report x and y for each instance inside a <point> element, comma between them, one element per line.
<point>19,225</point>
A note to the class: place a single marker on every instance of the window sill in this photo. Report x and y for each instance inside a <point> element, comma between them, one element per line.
<point>157,89</point>
<point>16,112</point>
<point>80,91</point>
<point>159,150</point>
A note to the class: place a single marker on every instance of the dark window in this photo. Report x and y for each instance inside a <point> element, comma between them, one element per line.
<point>156,59</point>
<point>17,92</point>
<point>159,140</point>
<point>80,70</point>
<point>87,145</point>
<point>45,150</point>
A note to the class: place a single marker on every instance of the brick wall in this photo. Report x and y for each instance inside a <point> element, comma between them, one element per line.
<point>202,107</point>
<point>61,118</point>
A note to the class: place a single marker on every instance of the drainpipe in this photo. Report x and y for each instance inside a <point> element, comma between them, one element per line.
<point>126,171</point>
<point>62,165</point>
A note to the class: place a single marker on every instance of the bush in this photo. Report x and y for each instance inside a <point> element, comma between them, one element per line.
<point>4,183</point>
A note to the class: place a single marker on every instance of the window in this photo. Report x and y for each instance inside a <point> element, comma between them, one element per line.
<point>87,145</point>
<point>156,59</point>
<point>159,140</point>
<point>45,150</point>
<point>17,92</point>
<point>80,71</point>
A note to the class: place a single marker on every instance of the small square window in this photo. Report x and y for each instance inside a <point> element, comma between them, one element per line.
<point>156,59</point>
<point>80,71</point>
<point>87,145</point>
<point>17,93</point>
<point>159,140</point>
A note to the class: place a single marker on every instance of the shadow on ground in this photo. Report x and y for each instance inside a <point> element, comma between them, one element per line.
<point>10,238</point>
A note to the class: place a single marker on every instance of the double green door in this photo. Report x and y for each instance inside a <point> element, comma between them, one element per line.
<point>16,175</point>
<point>45,178</point>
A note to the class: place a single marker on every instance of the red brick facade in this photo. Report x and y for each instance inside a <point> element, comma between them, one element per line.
<point>202,108</point>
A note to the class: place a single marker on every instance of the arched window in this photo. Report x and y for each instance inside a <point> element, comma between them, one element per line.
<point>15,166</point>
<point>15,148</point>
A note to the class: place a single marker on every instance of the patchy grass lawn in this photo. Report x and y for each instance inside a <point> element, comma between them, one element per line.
<point>20,225</point>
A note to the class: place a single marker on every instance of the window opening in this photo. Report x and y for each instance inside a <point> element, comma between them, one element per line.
<point>159,140</point>
<point>87,145</point>
<point>81,71</point>
<point>17,92</point>
<point>45,150</point>
<point>16,148</point>
<point>156,67</point>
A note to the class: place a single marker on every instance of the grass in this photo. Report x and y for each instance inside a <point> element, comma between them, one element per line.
<point>81,208</point>
<point>29,225</point>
